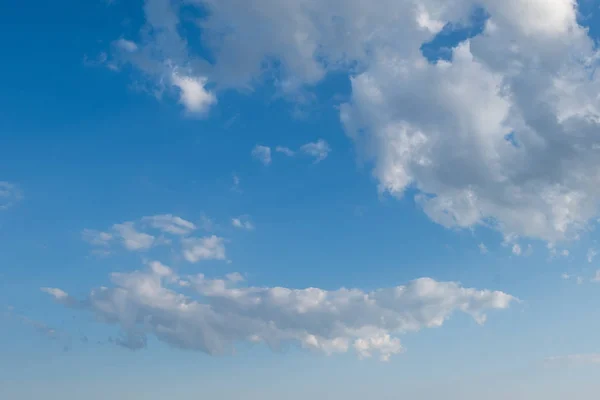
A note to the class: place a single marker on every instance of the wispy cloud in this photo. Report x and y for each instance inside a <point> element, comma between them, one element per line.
<point>285,150</point>
<point>42,328</point>
<point>262,154</point>
<point>319,150</point>
<point>126,45</point>
<point>97,238</point>
<point>242,222</point>
<point>591,253</point>
<point>516,249</point>
<point>10,194</point>
<point>482,248</point>
<point>169,223</point>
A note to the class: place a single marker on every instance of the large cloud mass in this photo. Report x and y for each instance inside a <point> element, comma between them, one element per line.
<point>503,134</point>
<point>212,315</point>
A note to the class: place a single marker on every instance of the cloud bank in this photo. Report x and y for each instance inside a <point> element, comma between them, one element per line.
<point>213,315</point>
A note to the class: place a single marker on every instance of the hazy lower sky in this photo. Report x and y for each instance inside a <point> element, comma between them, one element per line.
<point>292,199</point>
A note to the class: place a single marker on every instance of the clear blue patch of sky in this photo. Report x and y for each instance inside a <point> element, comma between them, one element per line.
<point>440,47</point>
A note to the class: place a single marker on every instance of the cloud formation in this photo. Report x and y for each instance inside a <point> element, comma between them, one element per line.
<point>97,238</point>
<point>141,236</point>
<point>126,45</point>
<point>132,239</point>
<point>193,94</point>
<point>483,248</point>
<point>212,315</point>
<point>262,154</point>
<point>285,150</point>
<point>205,248</point>
<point>242,223</point>
<point>319,150</point>
<point>169,223</point>
<point>501,134</point>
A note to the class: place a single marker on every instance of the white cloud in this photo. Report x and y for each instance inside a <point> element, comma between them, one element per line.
<point>206,248</point>
<point>97,238</point>
<point>318,150</point>
<point>169,223</point>
<point>242,223</point>
<point>591,253</point>
<point>126,45</point>
<point>551,249</point>
<point>160,269</point>
<point>9,195</point>
<point>578,279</point>
<point>60,296</point>
<point>437,128</point>
<point>56,293</point>
<point>468,106</point>
<point>516,249</point>
<point>483,248</point>
<point>236,183</point>
<point>285,150</point>
<point>193,94</point>
<point>262,154</point>
<point>221,313</point>
<point>132,239</point>
<point>596,277</point>
<point>234,277</point>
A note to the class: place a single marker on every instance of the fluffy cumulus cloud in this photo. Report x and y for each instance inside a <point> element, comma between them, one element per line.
<point>501,134</point>
<point>9,195</point>
<point>213,315</point>
<point>193,94</point>
<point>133,239</point>
<point>125,233</point>
<point>206,248</point>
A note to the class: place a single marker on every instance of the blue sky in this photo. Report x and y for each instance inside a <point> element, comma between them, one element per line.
<point>338,199</point>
